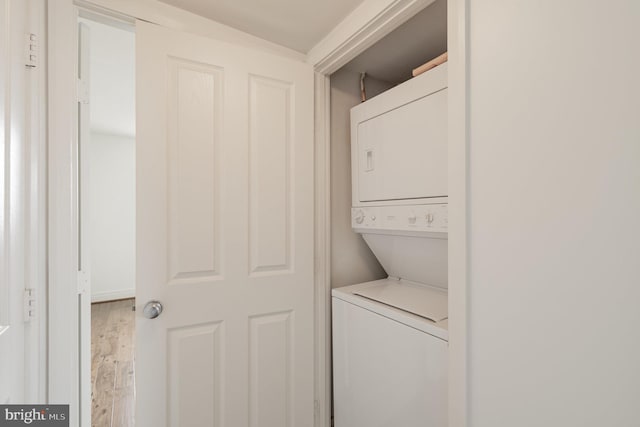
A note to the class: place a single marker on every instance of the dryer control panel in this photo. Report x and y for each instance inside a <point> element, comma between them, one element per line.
<point>409,218</point>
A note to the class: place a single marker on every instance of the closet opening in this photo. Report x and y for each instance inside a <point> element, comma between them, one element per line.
<point>389,228</point>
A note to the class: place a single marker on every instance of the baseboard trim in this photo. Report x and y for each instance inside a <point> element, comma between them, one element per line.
<point>113,295</point>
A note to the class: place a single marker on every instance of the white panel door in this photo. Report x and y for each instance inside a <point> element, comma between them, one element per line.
<point>224,234</point>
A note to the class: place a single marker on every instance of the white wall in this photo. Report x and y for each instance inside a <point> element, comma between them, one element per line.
<point>554,244</point>
<point>112,62</point>
<point>112,162</point>
<point>112,213</point>
<point>351,259</point>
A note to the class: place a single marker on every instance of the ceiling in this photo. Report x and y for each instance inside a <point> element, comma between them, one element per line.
<point>296,24</point>
<point>422,38</point>
<point>112,79</point>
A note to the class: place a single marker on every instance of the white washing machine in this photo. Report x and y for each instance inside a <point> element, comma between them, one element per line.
<point>390,336</point>
<point>389,364</point>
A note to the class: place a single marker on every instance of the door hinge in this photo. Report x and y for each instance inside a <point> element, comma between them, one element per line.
<point>83,92</point>
<point>29,304</point>
<point>83,282</point>
<point>31,52</point>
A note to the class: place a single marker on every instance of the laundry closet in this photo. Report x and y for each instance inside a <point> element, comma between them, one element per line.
<point>389,211</point>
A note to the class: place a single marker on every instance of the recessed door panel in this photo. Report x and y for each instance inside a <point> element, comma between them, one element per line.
<point>194,124</point>
<point>271,369</point>
<point>270,133</point>
<point>195,367</point>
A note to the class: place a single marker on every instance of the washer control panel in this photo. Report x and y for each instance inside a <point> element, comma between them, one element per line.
<point>432,218</point>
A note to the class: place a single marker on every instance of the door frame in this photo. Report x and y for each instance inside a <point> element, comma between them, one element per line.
<point>23,205</point>
<point>359,30</point>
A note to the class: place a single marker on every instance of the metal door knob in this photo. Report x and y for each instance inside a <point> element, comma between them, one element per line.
<point>152,309</point>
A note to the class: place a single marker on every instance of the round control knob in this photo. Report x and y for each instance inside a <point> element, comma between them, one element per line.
<point>429,218</point>
<point>359,216</point>
<point>412,219</point>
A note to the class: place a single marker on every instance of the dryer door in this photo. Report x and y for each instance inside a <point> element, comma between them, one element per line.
<point>402,154</point>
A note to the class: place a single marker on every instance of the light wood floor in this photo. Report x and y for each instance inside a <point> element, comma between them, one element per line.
<point>112,364</point>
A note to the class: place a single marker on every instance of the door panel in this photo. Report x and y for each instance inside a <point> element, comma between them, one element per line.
<point>224,234</point>
<point>270,126</point>
<point>271,370</point>
<point>195,395</point>
<point>194,122</point>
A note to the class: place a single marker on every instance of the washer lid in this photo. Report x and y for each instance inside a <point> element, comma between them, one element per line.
<point>421,300</point>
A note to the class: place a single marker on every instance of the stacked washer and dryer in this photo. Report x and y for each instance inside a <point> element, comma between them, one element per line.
<point>390,336</point>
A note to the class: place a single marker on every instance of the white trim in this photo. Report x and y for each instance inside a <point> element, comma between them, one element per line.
<point>36,336</point>
<point>458,214</point>
<point>63,369</point>
<point>22,202</point>
<point>5,120</point>
<point>113,295</point>
<point>367,24</point>
<point>178,19</point>
<point>322,250</point>
<point>107,17</point>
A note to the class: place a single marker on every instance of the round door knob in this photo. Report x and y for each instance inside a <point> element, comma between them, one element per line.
<point>152,309</point>
<point>359,216</point>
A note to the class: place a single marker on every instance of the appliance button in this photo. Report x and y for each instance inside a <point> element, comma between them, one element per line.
<point>412,219</point>
<point>429,217</point>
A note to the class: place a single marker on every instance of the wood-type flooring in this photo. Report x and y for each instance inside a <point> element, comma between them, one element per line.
<point>112,364</point>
